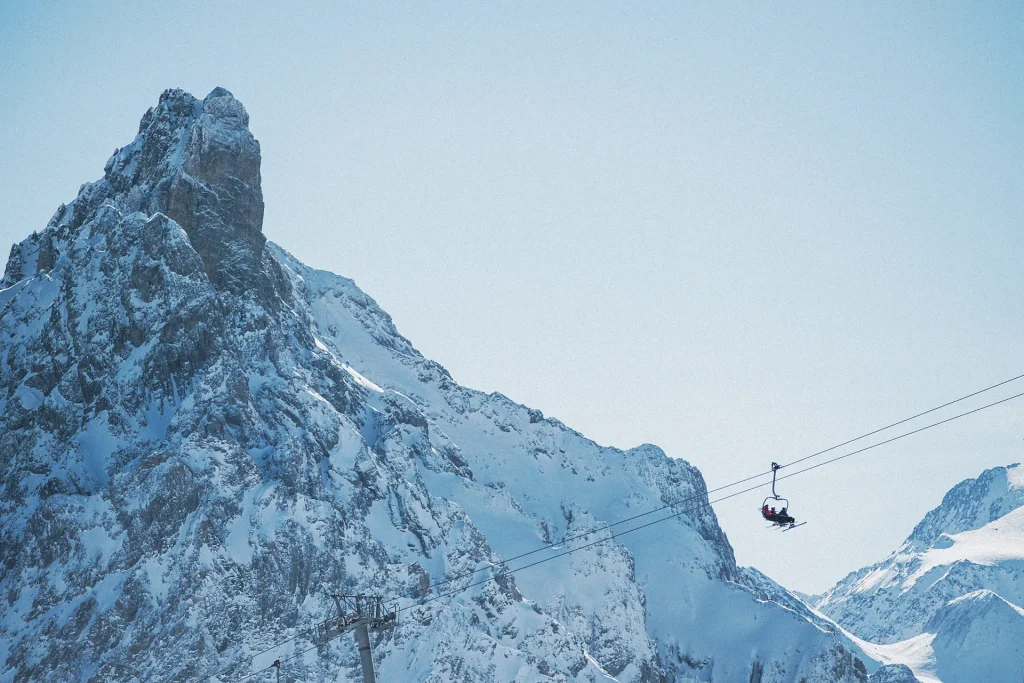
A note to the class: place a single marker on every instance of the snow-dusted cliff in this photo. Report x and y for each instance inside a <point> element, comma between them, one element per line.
<point>948,600</point>
<point>201,439</point>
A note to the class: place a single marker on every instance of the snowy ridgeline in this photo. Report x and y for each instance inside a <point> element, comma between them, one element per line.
<point>948,602</point>
<point>201,439</point>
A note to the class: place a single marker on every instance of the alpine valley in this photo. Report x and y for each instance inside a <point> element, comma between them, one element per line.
<point>202,439</point>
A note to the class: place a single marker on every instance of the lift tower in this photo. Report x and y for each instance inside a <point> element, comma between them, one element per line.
<point>360,614</point>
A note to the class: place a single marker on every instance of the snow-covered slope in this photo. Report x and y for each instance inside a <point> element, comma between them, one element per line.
<point>947,602</point>
<point>201,439</point>
<point>978,634</point>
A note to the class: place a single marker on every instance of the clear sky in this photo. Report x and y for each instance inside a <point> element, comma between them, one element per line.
<point>743,232</point>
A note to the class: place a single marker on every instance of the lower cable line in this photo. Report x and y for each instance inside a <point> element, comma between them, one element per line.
<point>752,477</point>
<point>615,535</point>
<point>505,571</point>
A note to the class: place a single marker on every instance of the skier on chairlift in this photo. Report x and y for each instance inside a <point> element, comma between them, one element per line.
<point>781,518</point>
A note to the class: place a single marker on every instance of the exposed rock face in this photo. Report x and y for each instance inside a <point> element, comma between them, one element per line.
<point>195,162</point>
<point>893,673</point>
<point>201,439</point>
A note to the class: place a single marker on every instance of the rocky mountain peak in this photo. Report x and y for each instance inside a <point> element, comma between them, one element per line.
<point>198,137</point>
<point>194,161</point>
<point>197,162</point>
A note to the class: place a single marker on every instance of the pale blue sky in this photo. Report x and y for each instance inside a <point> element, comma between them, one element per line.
<point>743,232</point>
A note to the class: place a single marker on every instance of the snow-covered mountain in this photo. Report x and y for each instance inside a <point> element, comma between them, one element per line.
<point>948,601</point>
<point>201,439</point>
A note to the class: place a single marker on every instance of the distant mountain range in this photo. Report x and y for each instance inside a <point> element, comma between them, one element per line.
<point>948,601</point>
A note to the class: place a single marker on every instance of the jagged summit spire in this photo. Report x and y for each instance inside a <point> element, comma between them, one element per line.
<point>178,132</point>
<point>194,161</point>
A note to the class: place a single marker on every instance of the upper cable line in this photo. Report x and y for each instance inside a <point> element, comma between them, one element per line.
<point>704,501</point>
<point>614,535</point>
<point>752,477</point>
<point>701,504</point>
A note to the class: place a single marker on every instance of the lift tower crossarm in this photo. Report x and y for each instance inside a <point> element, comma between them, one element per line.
<point>360,614</point>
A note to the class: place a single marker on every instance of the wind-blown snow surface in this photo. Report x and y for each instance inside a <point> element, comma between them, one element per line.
<point>201,439</point>
<point>947,603</point>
